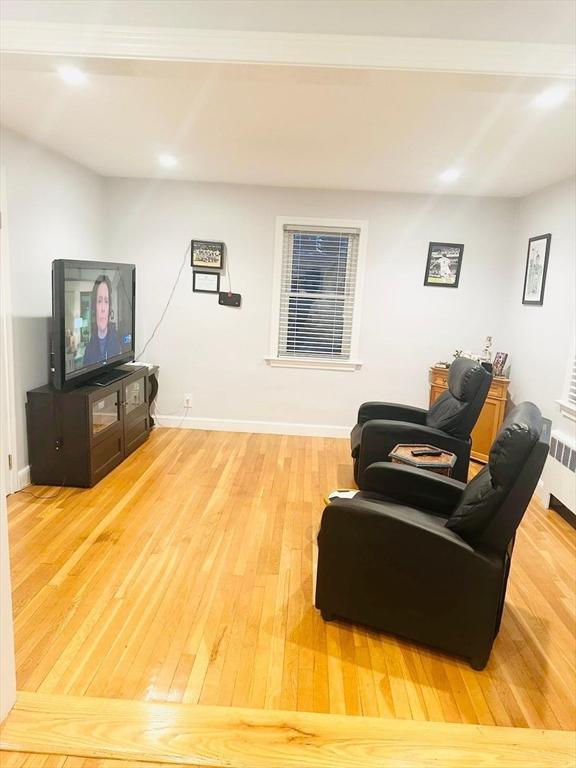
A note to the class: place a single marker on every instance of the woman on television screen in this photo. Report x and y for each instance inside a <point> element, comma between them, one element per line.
<point>104,342</point>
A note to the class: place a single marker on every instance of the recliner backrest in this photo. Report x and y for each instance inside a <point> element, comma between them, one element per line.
<point>456,411</point>
<point>494,502</point>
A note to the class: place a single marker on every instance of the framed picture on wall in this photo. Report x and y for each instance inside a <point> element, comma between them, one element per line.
<point>207,254</point>
<point>205,282</point>
<point>443,264</point>
<point>536,267</point>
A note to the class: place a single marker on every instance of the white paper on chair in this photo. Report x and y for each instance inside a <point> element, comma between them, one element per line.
<point>344,493</point>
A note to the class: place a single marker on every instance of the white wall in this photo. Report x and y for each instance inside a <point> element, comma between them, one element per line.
<point>55,210</point>
<point>58,209</point>
<point>538,339</point>
<point>7,661</point>
<point>217,353</point>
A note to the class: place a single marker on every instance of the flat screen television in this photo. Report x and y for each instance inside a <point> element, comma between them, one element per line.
<point>92,319</point>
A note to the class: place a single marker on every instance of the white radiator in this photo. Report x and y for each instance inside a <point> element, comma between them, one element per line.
<point>559,475</point>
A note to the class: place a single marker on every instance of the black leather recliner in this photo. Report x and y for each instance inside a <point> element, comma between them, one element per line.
<point>446,424</point>
<point>427,557</point>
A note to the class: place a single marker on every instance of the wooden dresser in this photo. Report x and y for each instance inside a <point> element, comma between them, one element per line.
<point>491,416</point>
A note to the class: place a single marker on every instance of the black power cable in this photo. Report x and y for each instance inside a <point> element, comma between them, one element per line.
<point>184,260</point>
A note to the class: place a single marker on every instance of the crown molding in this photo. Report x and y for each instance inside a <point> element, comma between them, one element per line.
<point>297,49</point>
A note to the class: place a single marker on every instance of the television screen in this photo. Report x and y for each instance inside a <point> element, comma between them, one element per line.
<point>93,317</point>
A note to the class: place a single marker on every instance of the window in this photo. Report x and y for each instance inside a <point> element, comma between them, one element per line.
<point>568,402</point>
<point>572,385</point>
<point>317,294</point>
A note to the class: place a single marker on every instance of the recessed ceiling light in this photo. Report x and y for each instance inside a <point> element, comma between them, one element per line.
<point>73,75</point>
<point>551,97</point>
<point>450,174</point>
<point>167,161</point>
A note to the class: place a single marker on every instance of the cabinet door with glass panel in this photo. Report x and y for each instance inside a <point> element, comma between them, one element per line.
<point>136,410</point>
<point>105,413</point>
<point>134,395</point>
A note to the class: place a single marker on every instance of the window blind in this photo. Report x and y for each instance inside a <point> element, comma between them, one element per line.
<point>572,385</point>
<point>317,292</point>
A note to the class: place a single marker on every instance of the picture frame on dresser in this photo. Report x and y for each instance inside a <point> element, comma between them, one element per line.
<point>499,363</point>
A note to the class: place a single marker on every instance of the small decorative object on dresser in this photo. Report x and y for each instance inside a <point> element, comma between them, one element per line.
<point>443,264</point>
<point>491,415</point>
<point>536,266</point>
<point>486,355</point>
<point>487,351</point>
<point>499,363</point>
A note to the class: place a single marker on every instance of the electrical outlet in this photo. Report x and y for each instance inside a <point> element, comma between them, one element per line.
<point>187,400</point>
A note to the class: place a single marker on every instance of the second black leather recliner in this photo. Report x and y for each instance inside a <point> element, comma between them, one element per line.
<point>447,424</point>
<point>427,557</point>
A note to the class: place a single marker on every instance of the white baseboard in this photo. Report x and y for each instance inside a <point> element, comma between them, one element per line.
<point>259,427</point>
<point>23,477</point>
<point>543,493</point>
<point>559,481</point>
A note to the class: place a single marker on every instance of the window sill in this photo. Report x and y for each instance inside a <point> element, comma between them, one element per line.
<point>567,409</point>
<point>320,365</point>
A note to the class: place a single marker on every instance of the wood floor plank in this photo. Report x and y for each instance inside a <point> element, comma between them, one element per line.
<point>223,737</point>
<point>188,574</point>
<point>24,760</point>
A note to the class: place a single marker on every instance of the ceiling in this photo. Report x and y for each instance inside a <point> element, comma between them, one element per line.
<point>390,129</point>
<point>551,21</point>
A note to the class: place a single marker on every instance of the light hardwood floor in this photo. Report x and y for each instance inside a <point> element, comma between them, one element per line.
<point>187,575</point>
<point>231,737</point>
<point>22,760</point>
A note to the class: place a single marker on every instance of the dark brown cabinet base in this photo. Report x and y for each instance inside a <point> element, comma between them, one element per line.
<point>77,437</point>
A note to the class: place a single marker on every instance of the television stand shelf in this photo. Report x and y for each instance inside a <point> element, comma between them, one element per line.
<point>76,437</point>
<point>108,377</point>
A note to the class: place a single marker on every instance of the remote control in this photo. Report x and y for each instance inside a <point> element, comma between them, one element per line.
<point>426,452</point>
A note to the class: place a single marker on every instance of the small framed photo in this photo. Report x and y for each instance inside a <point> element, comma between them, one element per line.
<point>536,266</point>
<point>205,282</point>
<point>443,264</point>
<point>499,362</point>
<point>207,254</point>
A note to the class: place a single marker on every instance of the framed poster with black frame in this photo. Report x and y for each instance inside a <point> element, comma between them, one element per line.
<point>205,282</point>
<point>207,254</point>
<point>443,264</point>
<point>536,268</point>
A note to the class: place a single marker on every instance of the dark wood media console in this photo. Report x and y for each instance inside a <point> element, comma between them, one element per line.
<point>77,437</point>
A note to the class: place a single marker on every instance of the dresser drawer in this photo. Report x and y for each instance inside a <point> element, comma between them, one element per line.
<point>498,389</point>
<point>439,377</point>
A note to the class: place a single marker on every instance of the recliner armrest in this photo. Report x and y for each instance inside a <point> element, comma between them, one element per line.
<point>362,523</point>
<point>380,436</point>
<point>392,411</point>
<point>414,487</point>
<point>394,432</point>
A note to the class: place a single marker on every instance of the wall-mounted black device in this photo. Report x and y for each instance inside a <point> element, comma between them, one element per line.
<point>228,299</point>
